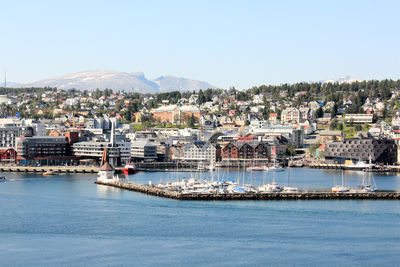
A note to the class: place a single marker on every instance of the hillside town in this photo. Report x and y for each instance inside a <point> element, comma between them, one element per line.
<point>299,125</point>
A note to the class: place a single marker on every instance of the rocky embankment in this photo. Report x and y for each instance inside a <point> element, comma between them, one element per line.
<point>154,191</point>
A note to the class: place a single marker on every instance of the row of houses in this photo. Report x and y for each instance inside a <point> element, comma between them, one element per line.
<point>234,151</point>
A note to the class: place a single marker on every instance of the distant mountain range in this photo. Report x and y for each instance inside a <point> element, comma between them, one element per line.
<point>132,82</point>
<point>129,82</point>
<point>343,79</point>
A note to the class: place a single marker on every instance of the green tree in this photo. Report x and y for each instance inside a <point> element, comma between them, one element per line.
<point>290,149</point>
<point>333,125</point>
<point>319,113</point>
<point>358,127</point>
<point>190,122</point>
<point>201,98</point>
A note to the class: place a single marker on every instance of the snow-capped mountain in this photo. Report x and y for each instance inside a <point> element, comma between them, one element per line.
<point>11,84</point>
<point>171,83</point>
<point>343,79</point>
<point>129,82</point>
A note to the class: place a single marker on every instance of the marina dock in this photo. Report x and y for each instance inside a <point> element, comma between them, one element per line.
<point>154,191</point>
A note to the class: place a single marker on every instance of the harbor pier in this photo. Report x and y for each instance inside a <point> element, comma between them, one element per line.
<point>154,191</point>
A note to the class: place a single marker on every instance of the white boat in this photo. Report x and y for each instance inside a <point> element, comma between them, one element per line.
<point>360,165</point>
<point>256,168</point>
<point>288,188</point>
<point>3,179</point>
<point>363,189</point>
<point>270,188</point>
<point>365,186</point>
<point>275,168</point>
<point>340,188</point>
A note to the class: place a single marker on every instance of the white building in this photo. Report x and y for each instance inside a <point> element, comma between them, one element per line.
<point>5,100</point>
<point>118,154</point>
<point>199,151</point>
<point>143,150</point>
<point>9,135</point>
<point>256,124</point>
<point>359,118</point>
<point>290,116</point>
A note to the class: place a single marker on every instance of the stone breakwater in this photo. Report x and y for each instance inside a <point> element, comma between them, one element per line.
<point>154,191</point>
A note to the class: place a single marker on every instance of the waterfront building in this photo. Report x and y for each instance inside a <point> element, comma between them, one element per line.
<point>361,149</point>
<point>8,155</point>
<point>143,150</point>
<point>118,153</point>
<point>9,135</point>
<point>43,150</point>
<point>245,150</point>
<point>200,151</point>
<point>39,128</point>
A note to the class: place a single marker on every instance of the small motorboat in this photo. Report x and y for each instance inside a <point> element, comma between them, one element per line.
<point>49,173</point>
<point>3,179</point>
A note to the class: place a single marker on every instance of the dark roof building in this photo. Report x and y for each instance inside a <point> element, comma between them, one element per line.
<point>362,149</point>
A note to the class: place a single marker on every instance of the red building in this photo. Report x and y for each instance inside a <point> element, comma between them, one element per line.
<point>8,155</point>
<point>244,150</point>
<point>229,151</point>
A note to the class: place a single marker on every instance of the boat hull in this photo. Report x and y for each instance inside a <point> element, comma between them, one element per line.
<point>128,171</point>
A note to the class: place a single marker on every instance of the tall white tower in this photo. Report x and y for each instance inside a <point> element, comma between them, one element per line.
<point>112,134</point>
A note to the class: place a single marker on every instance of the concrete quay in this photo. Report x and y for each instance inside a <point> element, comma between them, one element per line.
<point>145,189</point>
<point>56,169</point>
<point>388,168</point>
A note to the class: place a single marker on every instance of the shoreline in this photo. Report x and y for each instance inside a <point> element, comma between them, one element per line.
<point>168,167</point>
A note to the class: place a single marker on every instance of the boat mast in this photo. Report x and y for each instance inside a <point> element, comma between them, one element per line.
<point>342,179</point>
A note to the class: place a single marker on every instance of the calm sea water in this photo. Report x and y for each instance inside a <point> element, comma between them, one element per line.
<point>68,220</point>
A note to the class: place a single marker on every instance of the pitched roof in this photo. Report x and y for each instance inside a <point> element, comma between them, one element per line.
<point>106,167</point>
<point>321,147</point>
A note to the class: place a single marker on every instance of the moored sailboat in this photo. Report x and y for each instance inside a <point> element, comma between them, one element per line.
<point>340,188</point>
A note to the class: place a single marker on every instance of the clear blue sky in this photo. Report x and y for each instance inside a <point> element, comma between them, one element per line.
<point>226,43</point>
